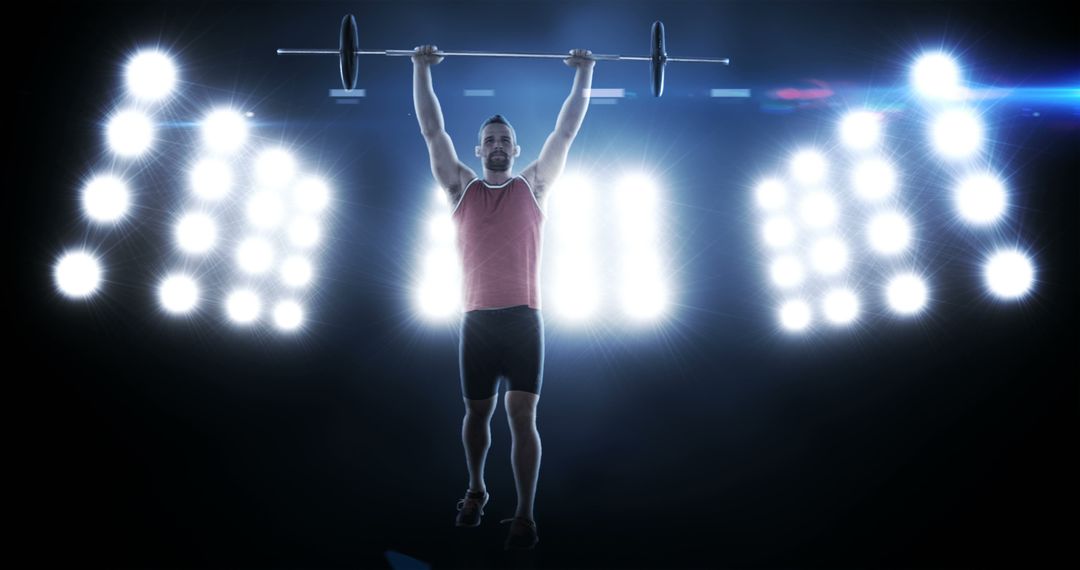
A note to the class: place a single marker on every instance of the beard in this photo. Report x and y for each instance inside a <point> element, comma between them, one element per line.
<point>497,162</point>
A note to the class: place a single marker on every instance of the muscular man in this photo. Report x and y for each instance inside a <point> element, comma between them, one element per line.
<point>499,220</point>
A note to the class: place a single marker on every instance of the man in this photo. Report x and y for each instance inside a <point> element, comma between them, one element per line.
<point>499,220</point>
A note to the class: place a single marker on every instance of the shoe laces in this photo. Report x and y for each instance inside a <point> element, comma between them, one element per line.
<point>471,503</point>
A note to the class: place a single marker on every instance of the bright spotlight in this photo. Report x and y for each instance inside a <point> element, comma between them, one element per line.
<point>795,315</point>
<point>841,306</point>
<point>288,315</point>
<point>296,271</point>
<point>196,233</point>
<point>129,133</point>
<point>151,75</point>
<point>304,232</point>
<point>809,167</point>
<point>980,198</point>
<point>437,301</point>
<point>211,179</point>
<point>643,293</point>
<point>265,210</point>
<point>77,274</point>
<point>771,194</point>
<point>243,306</point>
<point>573,198</point>
<point>105,199</point>
<point>860,130</point>
<point>936,76</point>
<point>178,294</point>
<point>576,291</point>
<point>906,294</point>
<point>829,255</point>
<point>575,305</point>
<point>889,233</point>
<point>638,200</point>
<point>1009,274</point>
<point>255,256</point>
<point>441,197</point>
<point>441,228</point>
<point>787,272</point>
<point>311,195</point>
<point>818,209</point>
<point>275,168</point>
<point>874,179</point>
<point>779,232</point>
<point>439,294</point>
<point>224,131</point>
<point>571,209</point>
<point>957,133</point>
<point>577,188</point>
<point>644,299</point>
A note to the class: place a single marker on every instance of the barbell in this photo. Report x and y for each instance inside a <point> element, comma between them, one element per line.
<point>349,50</point>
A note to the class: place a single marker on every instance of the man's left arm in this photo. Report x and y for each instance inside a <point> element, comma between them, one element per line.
<point>549,165</point>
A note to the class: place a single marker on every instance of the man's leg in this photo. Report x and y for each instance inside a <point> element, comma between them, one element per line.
<point>476,437</point>
<point>525,450</point>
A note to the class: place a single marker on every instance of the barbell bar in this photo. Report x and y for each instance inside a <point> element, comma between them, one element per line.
<point>349,51</point>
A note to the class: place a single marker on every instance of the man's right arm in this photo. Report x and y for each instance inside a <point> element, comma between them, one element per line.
<point>450,173</point>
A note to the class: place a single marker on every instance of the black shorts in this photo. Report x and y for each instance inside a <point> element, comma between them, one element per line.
<point>498,343</point>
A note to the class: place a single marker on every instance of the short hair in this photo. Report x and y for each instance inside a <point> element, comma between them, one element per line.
<point>496,119</point>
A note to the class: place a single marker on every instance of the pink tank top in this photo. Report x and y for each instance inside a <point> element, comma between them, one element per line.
<point>500,242</point>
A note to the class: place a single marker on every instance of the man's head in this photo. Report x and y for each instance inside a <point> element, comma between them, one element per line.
<point>498,144</point>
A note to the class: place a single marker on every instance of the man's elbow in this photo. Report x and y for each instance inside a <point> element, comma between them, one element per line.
<point>429,125</point>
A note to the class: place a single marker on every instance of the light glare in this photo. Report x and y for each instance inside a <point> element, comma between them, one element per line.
<point>980,199</point>
<point>105,199</point>
<point>196,233</point>
<point>906,294</point>
<point>1009,274</point>
<point>178,294</point>
<point>957,133</point>
<point>861,130</point>
<point>795,315</point>
<point>224,131</point>
<point>129,133</point>
<point>77,274</point>
<point>936,76</point>
<point>151,75</point>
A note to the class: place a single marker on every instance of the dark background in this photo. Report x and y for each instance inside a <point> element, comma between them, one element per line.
<point>710,439</point>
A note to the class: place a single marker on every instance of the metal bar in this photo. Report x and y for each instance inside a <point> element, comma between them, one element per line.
<point>722,61</point>
<point>307,51</point>
<point>405,52</point>
<point>598,57</point>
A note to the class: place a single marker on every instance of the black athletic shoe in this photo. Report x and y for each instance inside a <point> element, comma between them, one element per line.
<point>471,508</point>
<point>522,534</point>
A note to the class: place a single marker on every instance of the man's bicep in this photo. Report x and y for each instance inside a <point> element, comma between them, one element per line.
<point>552,158</point>
<point>445,166</point>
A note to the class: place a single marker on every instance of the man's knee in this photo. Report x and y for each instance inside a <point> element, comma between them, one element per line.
<point>479,410</point>
<point>521,409</point>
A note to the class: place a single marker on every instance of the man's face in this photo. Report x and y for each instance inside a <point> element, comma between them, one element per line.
<point>497,149</point>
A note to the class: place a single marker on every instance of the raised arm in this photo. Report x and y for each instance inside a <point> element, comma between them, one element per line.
<point>449,172</point>
<point>547,168</point>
